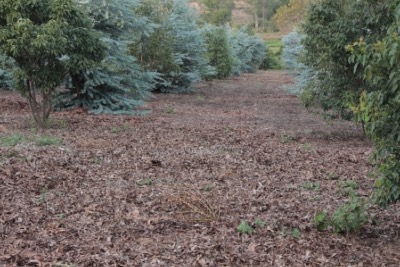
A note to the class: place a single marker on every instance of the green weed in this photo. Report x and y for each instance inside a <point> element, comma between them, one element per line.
<point>307,147</point>
<point>295,233</point>
<point>48,141</point>
<point>285,139</point>
<point>169,110</point>
<point>314,186</point>
<point>332,175</point>
<point>200,98</point>
<point>146,182</point>
<point>208,187</point>
<point>12,140</point>
<point>260,223</point>
<point>245,228</point>
<point>348,186</point>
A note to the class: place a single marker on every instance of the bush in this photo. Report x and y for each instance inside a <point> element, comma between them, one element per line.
<point>329,27</point>
<point>350,217</point>
<point>49,39</point>
<point>219,52</point>
<point>292,54</point>
<point>248,50</point>
<point>173,46</point>
<point>119,84</point>
<point>379,105</point>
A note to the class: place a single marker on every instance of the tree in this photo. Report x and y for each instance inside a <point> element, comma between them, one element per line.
<point>47,39</point>
<point>292,54</point>
<point>291,14</point>
<point>329,27</point>
<point>248,50</point>
<point>218,12</point>
<point>173,47</point>
<point>119,84</point>
<point>379,103</point>
<point>219,51</point>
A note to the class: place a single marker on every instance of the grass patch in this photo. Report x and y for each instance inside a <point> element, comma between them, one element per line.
<point>11,140</point>
<point>275,45</point>
<point>48,141</point>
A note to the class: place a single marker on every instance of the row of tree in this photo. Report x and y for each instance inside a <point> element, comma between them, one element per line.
<point>346,57</point>
<point>111,54</point>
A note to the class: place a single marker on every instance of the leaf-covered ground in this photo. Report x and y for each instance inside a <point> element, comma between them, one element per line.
<point>171,188</point>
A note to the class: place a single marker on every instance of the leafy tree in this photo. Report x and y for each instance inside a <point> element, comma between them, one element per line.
<point>219,51</point>
<point>329,27</point>
<point>218,12</point>
<point>379,103</point>
<point>47,39</point>
<point>173,48</point>
<point>118,85</point>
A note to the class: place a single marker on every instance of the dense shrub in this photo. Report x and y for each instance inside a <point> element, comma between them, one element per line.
<point>173,47</point>
<point>219,52</point>
<point>292,53</point>
<point>329,27</point>
<point>248,50</point>
<point>118,85</point>
<point>49,39</point>
<point>379,105</point>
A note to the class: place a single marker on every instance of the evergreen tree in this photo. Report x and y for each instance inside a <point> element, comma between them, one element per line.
<point>6,66</point>
<point>119,85</point>
<point>248,49</point>
<point>219,51</point>
<point>173,47</point>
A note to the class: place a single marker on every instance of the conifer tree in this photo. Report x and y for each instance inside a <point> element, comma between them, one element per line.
<point>173,47</point>
<point>119,85</point>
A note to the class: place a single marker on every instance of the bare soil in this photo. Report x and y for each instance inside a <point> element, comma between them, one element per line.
<point>171,188</point>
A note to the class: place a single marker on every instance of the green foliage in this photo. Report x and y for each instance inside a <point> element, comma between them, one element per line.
<point>348,186</point>
<point>245,228</point>
<point>46,39</point>
<point>379,104</point>
<point>146,182</point>
<point>11,140</point>
<point>48,141</point>
<point>173,47</point>
<point>119,85</point>
<point>6,66</point>
<point>329,27</point>
<point>218,12</point>
<point>320,221</point>
<point>219,52</point>
<point>260,223</point>
<point>349,217</point>
<point>248,50</point>
<point>285,139</point>
<point>271,61</point>
<point>292,54</point>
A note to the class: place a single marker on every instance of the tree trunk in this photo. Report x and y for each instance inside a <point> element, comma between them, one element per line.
<point>40,109</point>
<point>256,22</point>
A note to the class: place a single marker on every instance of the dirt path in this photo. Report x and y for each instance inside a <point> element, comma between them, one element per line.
<point>171,188</point>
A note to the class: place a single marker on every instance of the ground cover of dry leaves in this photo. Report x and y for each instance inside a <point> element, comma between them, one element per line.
<point>170,188</point>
